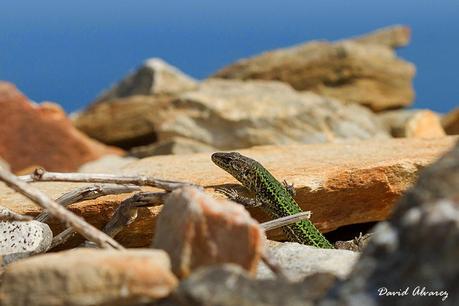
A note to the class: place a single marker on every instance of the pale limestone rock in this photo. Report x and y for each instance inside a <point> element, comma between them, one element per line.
<point>20,239</point>
<point>353,71</point>
<point>197,230</point>
<point>88,277</point>
<point>412,123</point>
<point>154,77</point>
<point>341,184</point>
<point>299,261</point>
<point>232,114</point>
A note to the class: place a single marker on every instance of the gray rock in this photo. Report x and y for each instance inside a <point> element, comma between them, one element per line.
<point>175,145</point>
<point>229,285</point>
<point>299,261</point>
<point>416,250</point>
<point>22,239</point>
<point>154,77</point>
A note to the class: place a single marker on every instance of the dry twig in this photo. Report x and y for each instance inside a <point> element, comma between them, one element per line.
<point>280,222</point>
<point>41,175</point>
<point>88,193</point>
<point>87,230</point>
<point>9,215</point>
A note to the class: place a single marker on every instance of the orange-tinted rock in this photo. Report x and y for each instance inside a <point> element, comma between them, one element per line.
<point>42,135</point>
<point>198,230</point>
<point>341,183</point>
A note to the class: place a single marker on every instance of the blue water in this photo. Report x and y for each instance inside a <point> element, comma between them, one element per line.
<point>68,51</point>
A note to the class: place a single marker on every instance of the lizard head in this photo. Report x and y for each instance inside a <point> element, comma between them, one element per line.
<point>239,166</point>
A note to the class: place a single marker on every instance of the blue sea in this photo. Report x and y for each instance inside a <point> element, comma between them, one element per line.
<point>69,51</point>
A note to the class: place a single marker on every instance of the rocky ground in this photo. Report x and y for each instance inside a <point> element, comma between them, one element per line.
<point>331,118</point>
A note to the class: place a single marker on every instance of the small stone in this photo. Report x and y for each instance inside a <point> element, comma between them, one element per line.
<point>299,261</point>
<point>88,277</point>
<point>412,123</point>
<point>20,239</point>
<point>198,230</point>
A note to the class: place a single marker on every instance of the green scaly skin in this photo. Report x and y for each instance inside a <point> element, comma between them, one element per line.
<point>271,195</point>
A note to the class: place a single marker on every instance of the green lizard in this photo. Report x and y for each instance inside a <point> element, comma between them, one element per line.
<point>272,196</point>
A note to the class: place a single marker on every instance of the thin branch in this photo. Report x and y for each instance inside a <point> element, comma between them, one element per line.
<point>9,215</point>
<point>126,212</point>
<point>88,193</point>
<point>41,175</point>
<point>273,224</point>
<point>124,215</point>
<point>87,230</point>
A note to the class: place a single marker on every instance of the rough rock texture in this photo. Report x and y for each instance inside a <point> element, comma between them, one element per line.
<point>451,122</point>
<point>19,239</point>
<point>354,71</point>
<point>412,123</point>
<point>126,114</point>
<point>197,230</point>
<point>226,114</point>
<point>341,184</point>
<point>232,114</point>
<point>88,277</point>
<point>41,135</point>
<point>299,261</point>
<point>229,285</point>
<point>154,77</point>
<point>417,247</point>
<point>392,37</point>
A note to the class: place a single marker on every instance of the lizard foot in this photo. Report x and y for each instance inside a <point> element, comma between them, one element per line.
<point>290,188</point>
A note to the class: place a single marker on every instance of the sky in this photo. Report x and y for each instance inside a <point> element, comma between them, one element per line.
<point>69,51</point>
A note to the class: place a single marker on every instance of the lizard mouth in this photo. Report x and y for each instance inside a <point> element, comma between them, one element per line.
<point>220,159</point>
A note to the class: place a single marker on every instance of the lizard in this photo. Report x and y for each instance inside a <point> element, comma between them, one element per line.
<point>270,195</point>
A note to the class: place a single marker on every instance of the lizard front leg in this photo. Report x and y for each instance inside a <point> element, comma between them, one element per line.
<point>290,188</point>
<point>233,195</point>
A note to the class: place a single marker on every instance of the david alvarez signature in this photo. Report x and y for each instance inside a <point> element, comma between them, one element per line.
<point>416,291</point>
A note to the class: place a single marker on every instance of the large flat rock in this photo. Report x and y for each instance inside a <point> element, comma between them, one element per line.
<point>341,184</point>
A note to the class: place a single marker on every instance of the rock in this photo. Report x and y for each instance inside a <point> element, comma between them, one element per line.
<point>412,123</point>
<point>106,164</point>
<point>174,145</point>
<point>41,135</point>
<point>353,71</point>
<point>126,115</point>
<point>197,230</point>
<point>299,261</point>
<point>88,277</point>
<point>261,112</point>
<point>153,77</point>
<point>451,122</point>
<point>392,37</point>
<point>229,285</point>
<point>232,114</point>
<point>416,249</point>
<point>125,122</point>
<point>341,184</point>
<point>20,239</point>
